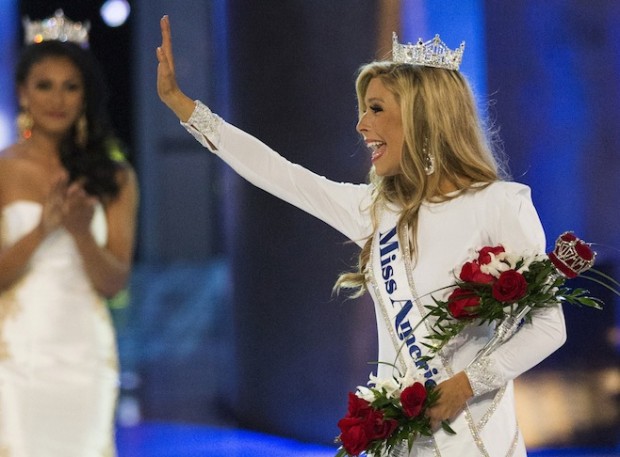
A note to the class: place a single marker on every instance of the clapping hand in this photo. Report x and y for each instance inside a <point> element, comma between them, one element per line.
<point>52,213</point>
<point>78,209</point>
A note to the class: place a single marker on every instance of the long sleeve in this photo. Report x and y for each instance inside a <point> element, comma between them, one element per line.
<point>344,206</point>
<point>518,227</point>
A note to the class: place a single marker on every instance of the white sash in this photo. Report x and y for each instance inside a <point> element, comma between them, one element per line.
<point>401,310</point>
<point>399,306</point>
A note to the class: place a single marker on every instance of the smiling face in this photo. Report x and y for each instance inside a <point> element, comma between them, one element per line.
<point>382,128</point>
<point>53,94</point>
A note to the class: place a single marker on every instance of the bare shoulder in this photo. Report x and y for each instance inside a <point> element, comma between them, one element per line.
<point>11,152</point>
<point>14,172</point>
<point>10,157</point>
<point>122,208</point>
<point>126,176</point>
<point>127,181</point>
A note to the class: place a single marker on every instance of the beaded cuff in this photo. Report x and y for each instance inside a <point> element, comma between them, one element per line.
<point>482,377</point>
<point>204,124</point>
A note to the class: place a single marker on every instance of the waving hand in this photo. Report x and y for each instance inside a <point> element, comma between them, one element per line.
<point>167,87</point>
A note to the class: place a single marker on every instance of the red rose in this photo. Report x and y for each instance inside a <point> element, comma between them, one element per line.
<point>356,428</point>
<point>510,286</point>
<point>470,272</point>
<point>412,398</point>
<point>358,407</point>
<point>354,434</point>
<point>463,303</point>
<point>383,428</point>
<point>484,256</point>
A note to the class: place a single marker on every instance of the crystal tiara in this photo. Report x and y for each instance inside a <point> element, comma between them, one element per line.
<point>58,27</point>
<point>433,53</point>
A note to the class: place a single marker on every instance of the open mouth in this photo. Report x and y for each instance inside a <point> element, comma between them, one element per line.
<point>377,149</point>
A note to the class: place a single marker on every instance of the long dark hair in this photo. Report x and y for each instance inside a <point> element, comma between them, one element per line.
<point>97,161</point>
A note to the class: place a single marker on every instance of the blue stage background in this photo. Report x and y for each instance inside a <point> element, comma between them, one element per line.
<point>229,319</point>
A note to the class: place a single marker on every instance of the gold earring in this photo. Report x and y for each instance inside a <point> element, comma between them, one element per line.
<point>81,131</point>
<point>24,124</point>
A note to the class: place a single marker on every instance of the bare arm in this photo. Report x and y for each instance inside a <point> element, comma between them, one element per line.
<point>15,258</point>
<point>167,87</point>
<point>108,267</point>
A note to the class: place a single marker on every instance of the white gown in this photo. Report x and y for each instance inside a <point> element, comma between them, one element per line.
<point>58,357</point>
<point>448,233</point>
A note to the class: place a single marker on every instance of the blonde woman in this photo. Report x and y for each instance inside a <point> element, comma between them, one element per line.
<point>434,196</point>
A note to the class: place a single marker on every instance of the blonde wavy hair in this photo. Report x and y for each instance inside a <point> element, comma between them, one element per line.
<point>440,118</point>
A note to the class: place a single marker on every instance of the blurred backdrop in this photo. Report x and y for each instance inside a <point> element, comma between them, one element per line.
<point>229,318</point>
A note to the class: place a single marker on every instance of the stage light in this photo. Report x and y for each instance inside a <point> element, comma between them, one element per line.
<point>115,12</point>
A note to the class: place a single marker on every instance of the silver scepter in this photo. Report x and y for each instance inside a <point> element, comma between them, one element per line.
<point>503,332</point>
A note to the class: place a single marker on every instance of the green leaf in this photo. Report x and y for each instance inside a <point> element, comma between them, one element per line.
<point>591,302</point>
<point>446,427</point>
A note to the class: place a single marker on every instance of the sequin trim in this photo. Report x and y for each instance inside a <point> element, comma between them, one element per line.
<point>482,377</point>
<point>422,311</point>
<point>204,122</point>
<point>474,430</point>
<point>468,417</point>
<point>496,399</point>
<point>388,322</point>
<point>373,282</point>
<point>515,441</point>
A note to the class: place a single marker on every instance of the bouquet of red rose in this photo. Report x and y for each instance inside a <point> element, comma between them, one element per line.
<point>504,288</point>
<point>386,417</point>
<point>497,287</point>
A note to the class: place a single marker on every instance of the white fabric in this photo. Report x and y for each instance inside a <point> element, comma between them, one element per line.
<point>448,235</point>
<point>58,359</point>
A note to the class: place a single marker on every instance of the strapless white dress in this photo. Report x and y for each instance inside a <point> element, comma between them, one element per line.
<point>58,356</point>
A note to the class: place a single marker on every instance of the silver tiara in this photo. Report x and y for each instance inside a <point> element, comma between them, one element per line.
<point>433,53</point>
<point>58,27</point>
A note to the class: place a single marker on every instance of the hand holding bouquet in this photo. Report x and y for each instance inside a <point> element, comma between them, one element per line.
<point>385,416</point>
<point>497,287</point>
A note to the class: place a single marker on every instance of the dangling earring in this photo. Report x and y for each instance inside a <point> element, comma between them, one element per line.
<point>81,131</point>
<point>24,124</point>
<point>429,164</point>
<point>429,160</point>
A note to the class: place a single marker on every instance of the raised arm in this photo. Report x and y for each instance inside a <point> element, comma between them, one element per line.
<point>167,87</point>
<point>338,204</point>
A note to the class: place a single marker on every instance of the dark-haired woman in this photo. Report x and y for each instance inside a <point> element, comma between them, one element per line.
<point>68,204</point>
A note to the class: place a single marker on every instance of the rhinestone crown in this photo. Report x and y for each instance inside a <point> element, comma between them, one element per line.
<point>571,256</point>
<point>433,53</point>
<point>58,27</point>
